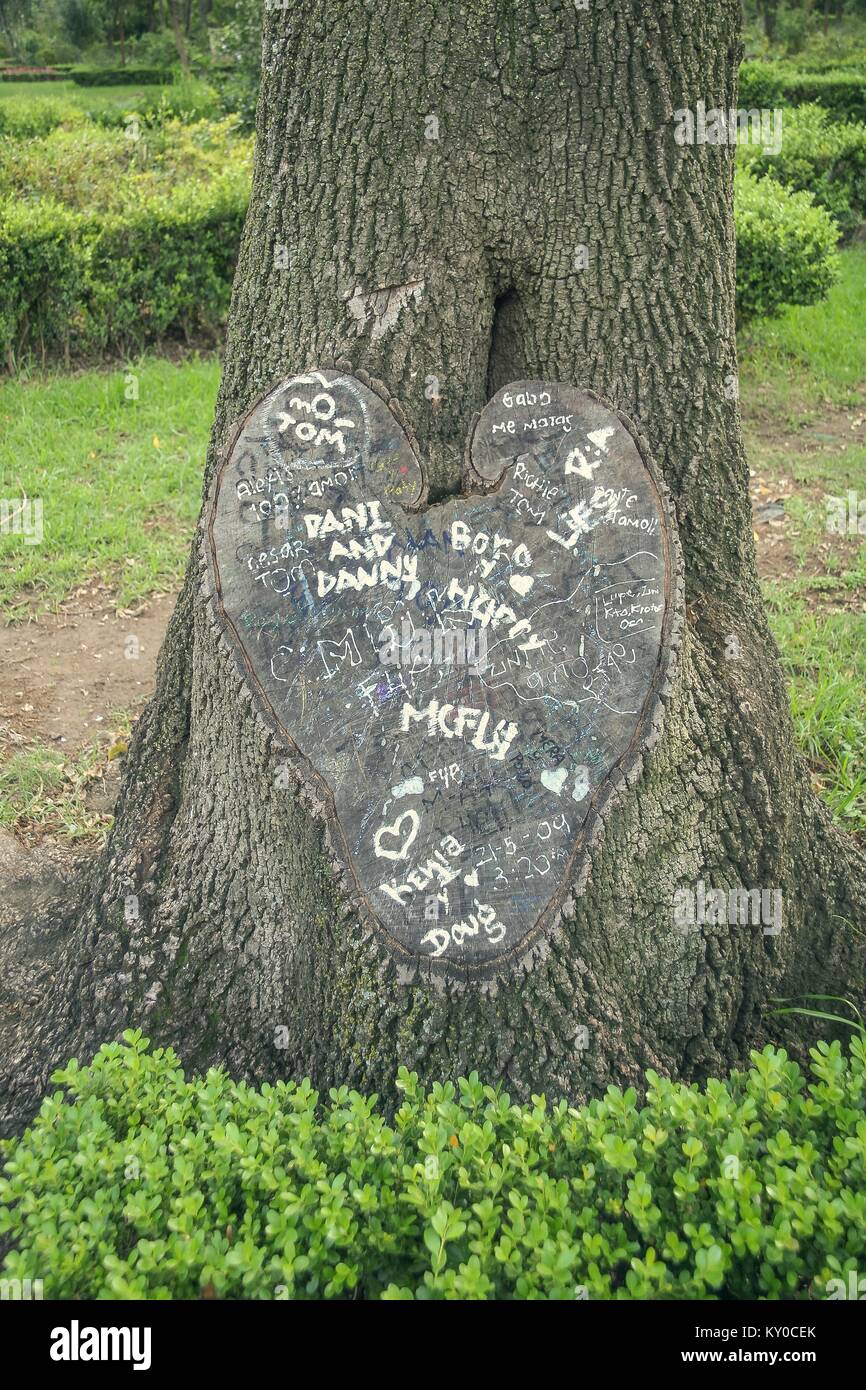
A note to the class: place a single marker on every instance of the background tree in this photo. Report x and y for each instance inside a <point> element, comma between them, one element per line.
<point>769,10</point>
<point>519,160</point>
<point>81,21</point>
<point>14,14</point>
<point>179,18</point>
<point>237,36</point>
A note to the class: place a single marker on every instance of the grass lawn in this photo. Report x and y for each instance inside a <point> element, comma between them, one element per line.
<point>816,351</point>
<point>803,397</point>
<point>100,99</point>
<point>119,478</point>
<point>45,791</point>
<point>824,655</point>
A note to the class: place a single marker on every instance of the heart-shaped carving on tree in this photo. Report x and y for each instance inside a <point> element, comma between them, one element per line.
<point>461,685</point>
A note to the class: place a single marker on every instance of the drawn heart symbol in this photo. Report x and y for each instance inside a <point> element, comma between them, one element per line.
<point>412,820</point>
<point>464,685</point>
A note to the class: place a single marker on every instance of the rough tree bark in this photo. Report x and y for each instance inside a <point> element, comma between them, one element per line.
<point>477,193</point>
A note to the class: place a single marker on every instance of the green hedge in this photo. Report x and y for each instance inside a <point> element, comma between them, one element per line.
<point>33,75</point>
<point>134,1182</point>
<point>821,155</point>
<point>785,247</point>
<point>840,90</point>
<point>87,284</point>
<point>760,84</point>
<point>120,77</point>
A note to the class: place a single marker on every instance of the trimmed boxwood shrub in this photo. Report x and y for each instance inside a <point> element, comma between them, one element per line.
<point>43,267</point>
<point>822,156</point>
<point>119,77</point>
<point>134,1182</point>
<point>760,84</point>
<point>81,283</point>
<point>785,247</point>
<point>839,90</point>
<point>166,268</point>
<point>109,244</point>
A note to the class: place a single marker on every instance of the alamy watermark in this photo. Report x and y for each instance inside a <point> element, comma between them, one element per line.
<point>77,1343</point>
<point>853,1287</point>
<point>22,516</point>
<point>731,126</point>
<point>20,1290</point>
<point>732,907</point>
<point>433,646</point>
<point>846,516</point>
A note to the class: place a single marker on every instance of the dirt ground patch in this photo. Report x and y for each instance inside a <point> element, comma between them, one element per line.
<point>778,538</point>
<point>804,427</point>
<point>71,682</point>
<point>800,456</point>
<point>64,676</point>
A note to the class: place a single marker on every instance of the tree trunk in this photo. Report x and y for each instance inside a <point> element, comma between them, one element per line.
<point>177,28</point>
<point>516,166</point>
<point>4,19</point>
<point>769,8</point>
